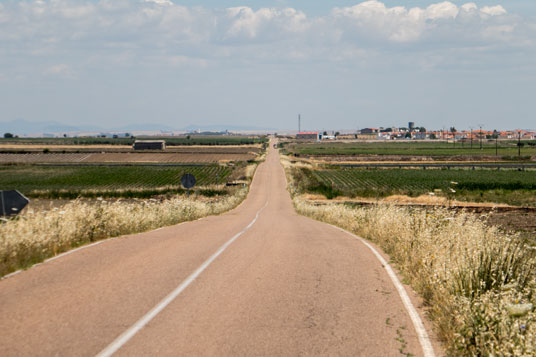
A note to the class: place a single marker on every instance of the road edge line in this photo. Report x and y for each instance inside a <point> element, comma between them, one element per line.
<point>424,339</point>
<point>122,339</point>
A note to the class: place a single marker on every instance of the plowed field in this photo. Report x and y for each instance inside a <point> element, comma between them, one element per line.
<point>123,157</point>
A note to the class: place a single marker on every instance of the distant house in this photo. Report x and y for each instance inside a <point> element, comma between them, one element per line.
<point>367,136</point>
<point>347,136</point>
<point>369,131</point>
<point>149,145</point>
<point>420,136</point>
<point>307,135</point>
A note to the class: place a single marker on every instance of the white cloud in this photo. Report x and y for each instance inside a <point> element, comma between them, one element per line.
<point>444,10</point>
<point>469,7</point>
<point>141,32</point>
<point>161,2</point>
<point>493,10</point>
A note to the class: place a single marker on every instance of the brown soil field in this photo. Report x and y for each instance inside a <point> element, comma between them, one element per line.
<point>523,222</point>
<point>423,200</point>
<point>218,149</point>
<point>395,159</point>
<point>132,157</point>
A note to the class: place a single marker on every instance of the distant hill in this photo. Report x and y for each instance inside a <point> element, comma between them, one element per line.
<point>219,127</point>
<point>26,127</point>
<point>22,127</point>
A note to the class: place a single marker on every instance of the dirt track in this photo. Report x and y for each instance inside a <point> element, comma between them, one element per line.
<point>286,286</point>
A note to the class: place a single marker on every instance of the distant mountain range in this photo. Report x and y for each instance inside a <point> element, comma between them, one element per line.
<point>21,127</point>
<point>26,127</point>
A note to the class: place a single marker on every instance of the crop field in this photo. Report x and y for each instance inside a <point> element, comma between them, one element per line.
<point>126,157</point>
<point>504,186</point>
<point>62,149</point>
<point>170,141</point>
<point>505,149</point>
<point>130,181</point>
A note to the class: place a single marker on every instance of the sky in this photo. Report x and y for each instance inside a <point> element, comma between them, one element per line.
<point>340,64</point>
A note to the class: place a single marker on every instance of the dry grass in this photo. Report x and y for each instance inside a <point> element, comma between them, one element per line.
<point>479,283</point>
<point>424,200</point>
<point>35,236</point>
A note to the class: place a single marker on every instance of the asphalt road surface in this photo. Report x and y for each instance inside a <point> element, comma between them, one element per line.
<point>259,280</point>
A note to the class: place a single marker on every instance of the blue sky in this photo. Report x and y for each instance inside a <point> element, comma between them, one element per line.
<point>341,64</point>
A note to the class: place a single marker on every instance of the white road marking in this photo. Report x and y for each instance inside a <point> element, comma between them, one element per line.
<point>424,340</point>
<point>132,330</point>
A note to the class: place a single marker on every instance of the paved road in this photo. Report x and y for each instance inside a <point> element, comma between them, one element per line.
<point>286,285</point>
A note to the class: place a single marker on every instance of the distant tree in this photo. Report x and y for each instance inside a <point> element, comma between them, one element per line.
<point>8,135</point>
<point>453,131</point>
<point>433,136</point>
<point>337,133</point>
<point>325,133</point>
<point>422,129</point>
<point>187,137</point>
<point>408,135</point>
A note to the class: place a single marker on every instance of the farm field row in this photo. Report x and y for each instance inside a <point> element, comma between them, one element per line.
<point>505,186</point>
<point>134,157</point>
<point>71,181</point>
<point>170,141</point>
<point>439,149</point>
<point>193,149</point>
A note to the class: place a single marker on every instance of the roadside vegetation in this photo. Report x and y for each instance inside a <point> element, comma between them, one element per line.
<point>479,283</point>
<point>35,236</point>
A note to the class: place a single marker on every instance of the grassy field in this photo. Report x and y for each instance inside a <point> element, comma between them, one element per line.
<point>118,181</point>
<point>482,185</point>
<point>170,141</point>
<point>506,149</point>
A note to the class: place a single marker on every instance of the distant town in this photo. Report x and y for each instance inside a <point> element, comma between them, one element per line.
<point>412,132</point>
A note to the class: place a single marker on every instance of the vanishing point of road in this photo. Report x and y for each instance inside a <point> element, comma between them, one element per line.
<point>260,280</point>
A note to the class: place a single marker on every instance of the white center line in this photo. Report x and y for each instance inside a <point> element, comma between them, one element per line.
<point>132,330</point>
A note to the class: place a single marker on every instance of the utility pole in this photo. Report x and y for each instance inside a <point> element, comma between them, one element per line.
<point>471,137</point>
<point>480,125</point>
<point>519,143</point>
<point>299,123</point>
<point>496,143</point>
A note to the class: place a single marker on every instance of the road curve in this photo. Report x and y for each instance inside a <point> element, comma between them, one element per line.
<point>284,285</point>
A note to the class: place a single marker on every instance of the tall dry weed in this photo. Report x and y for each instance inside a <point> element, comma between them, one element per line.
<point>33,237</point>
